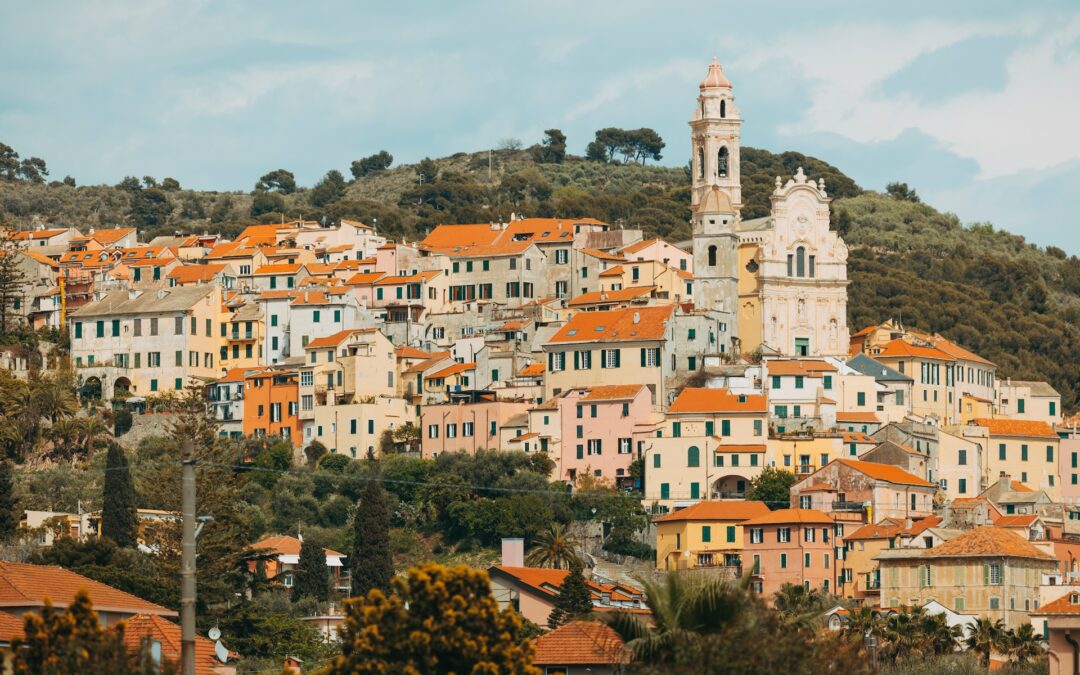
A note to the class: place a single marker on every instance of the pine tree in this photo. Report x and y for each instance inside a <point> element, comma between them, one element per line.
<point>9,520</point>
<point>119,518</point>
<point>12,285</point>
<point>574,599</point>
<point>311,578</point>
<point>370,561</point>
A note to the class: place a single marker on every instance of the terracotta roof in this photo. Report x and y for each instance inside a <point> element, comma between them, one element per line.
<point>739,447</point>
<point>581,643</point>
<point>885,472</point>
<point>863,417</point>
<point>642,245</point>
<point>1017,486</point>
<point>36,234</point>
<point>448,236</point>
<point>807,367</point>
<point>704,400</point>
<point>783,516</point>
<point>532,370</point>
<point>616,271</point>
<point>407,352</point>
<point>733,510</point>
<point>612,392</point>
<point>408,278</point>
<point>513,325</point>
<point>11,628</point>
<point>715,77</point>
<point>435,359</point>
<point>363,278</point>
<point>900,348</point>
<point>167,633</point>
<point>524,437</point>
<point>1020,520</point>
<point>27,586</point>
<point>616,325</point>
<point>278,295</point>
<point>623,295</point>
<point>987,541</point>
<point>603,255</point>
<point>280,268</point>
<point>1063,605</point>
<point>286,545</point>
<point>111,236</point>
<point>856,437</point>
<point>44,260</point>
<point>191,274</point>
<point>1006,427</point>
<point>886,529</point>
<point>955,350</point>
<point>452,370</point>
<point>921,525</point>
<point>337,338</point>
<point>545,580</point>
<point>234,375</point>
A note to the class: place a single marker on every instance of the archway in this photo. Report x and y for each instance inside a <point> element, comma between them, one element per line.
<point>732,486</point>
<point>121,388</point>
<point>91,389</point>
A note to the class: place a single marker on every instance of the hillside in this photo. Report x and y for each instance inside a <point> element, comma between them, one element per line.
<point>1012,302</point>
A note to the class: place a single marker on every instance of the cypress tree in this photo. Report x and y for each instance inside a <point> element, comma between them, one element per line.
<point>119,518</point>
<point>9,520</point>
<point>574,599</point>
<point>371,564</point>
<point>311,578</point>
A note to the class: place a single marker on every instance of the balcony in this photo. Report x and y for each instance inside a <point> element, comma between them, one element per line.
<point>803,470</point>
<point>848,506</point>
<point>729,495</point>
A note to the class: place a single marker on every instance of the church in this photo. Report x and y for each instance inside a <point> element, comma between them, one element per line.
<point>782,278</point>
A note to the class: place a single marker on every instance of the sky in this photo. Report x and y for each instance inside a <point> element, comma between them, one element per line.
<point>974,104</point>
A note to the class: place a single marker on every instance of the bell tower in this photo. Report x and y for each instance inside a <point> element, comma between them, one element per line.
<point>716,196</point>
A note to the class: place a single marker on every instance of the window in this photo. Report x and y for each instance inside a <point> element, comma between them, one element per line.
<point>556,361</point>
<point>826,381</point>
<point>808,534</point>
<point>1020,406</point>
<point>962,486</point>
<point>925,576</point>
<point>961,457</point>
<point>433,431</point>
<point>100,329</point>
<point>609,358</point>
<point>860,398</point>
<point>695,490</point>
<point>583,360</point>
<point>783,561</point>
<point>775,381</point>
<point>665,491</point>
<point>722,156</point>
<point>451,431</point>
<point>592,410</point>
<point>758,427</point>
<point>626,446</point>
<point>783,535</point>
<point>650,357</point>
<point>706,533</point>
<point>799,382</point>
<point>712,256</point>
<point>806,560</point>
<point>595,446</point>
<point>656,460</point>
<point>693,456</point>
<point>562,256</point>
<point>804,502</point>
<point>691,334</point>
<point>992,575</point>
<point>1049,453</point>
<point>757,535</point>
<point>691,363</point>
<point>1053,408</point>
<point>1023,452</point>
<point>800,262</point>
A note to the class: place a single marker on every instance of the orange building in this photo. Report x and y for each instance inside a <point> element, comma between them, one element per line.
<point>271,403</point>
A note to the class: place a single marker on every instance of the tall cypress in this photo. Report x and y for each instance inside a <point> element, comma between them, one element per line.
<point>119,518</point>
<point>370,562</point>
<point>9,519</point>
<point>573,600</point>
<point>311,578</point>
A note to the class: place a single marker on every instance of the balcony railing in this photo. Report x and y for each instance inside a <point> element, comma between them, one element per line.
<point>730,495</point>
<point>847,506</point>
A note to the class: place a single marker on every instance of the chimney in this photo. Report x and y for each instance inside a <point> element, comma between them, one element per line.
<point>513,552</point>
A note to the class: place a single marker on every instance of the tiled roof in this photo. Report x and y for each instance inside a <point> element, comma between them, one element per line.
<point>234,375</point>
<point>408,278</point>
<point>452,370</point>
<point>885,472</point>
<point>807,367</point>
<point>988,541</point>
<point>545,580</point>
<point>110,236</point>
<point>899,348</point>
<point>616,271</point>
<point>11,628</point>
<point>141,626</point>
<point>190,274</point>
<point>449,236</point>
<point>407,352</point>
<point>733,510</point>
<point>36,234</point>
<point>436,359</point>
<point>783,516</point>
<point>618,325</point>
<point>704,400</point>
<point>524,437</point>
<point>363,278</point>
<point>1006,427</point>
<point>336,339</point>
<point>612,392</point>
<point>1019,520</point>
<point>281,268</point>
<point>856,437</point>
<point>1066,604</point>
<point>622,295</point>
<point>735,447</point>
<point>603,255</point>
<point>532,370</point>
<point>44,260</point>
<point>859,417</point>
<point>581,643</point>
<point>1017,486</point>
<point>26,586</point>
<point>886,529</point>
<point>921,525</point>
<point>955,350</point>
<point>286,545</point>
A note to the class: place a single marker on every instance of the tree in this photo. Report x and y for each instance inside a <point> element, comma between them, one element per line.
<point>984,637</point>
<point>149,208</point>
<point>574,599</point>
<point>772,486</point>
<point>9,162</point>
<point>12,287</point>
<point>437,620</point>
<point>555,548</point>
<point>330,189</point>
<point>372,566</point>
<point>312,578</point>
<point>796,603</point>
<point>314,452</point>
<point>264,202</point>
<point>509,144</point>
<point>552,150</point>
<point>901,191</point>
<point>427,170</point>
<point>130,184</point>
<point>646,144</point>
<point>9,520</point>
<point>70,640</point>
<point>69,181</point>
<point>32,169</point>
<point>170,184</point>
<point>1023,643</point>
<point>380,161</point>
<point>119,515</point>
<point>278,180</point>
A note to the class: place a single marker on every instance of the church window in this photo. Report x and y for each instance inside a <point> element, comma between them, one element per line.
<point>790,265</point>
<point>722,163</point>
<point>752,266</point>
<point>712,256</point>
<point>811,258</point>
<point>701,162</point>
<point>800,262</point>
<point>723,108</point>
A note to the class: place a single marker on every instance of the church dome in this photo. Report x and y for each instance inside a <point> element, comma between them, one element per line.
<point>715,200</point>
<point>715,78</point>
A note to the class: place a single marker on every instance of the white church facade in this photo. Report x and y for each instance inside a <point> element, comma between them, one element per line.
<point>783,277</point>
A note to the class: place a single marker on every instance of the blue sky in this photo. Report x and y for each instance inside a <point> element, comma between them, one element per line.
<point>973,103</point>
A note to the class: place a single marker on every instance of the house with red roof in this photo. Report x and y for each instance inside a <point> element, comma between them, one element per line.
<point>531,591</point>
<point>790,546</point>
<point>708,535</point>
<point>1023,449</point>
<point>280,556</point>
<point>859,491</point>
<point>470,423</point>
<point>581,647</point>
<point>159,640</point>
<point>1059,623</point>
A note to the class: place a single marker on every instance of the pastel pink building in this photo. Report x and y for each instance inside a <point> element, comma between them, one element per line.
<point>465,427</point>
<point>790,546</point>
<point>591,430</point>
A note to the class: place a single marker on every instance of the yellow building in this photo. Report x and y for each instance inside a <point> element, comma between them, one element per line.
<point>860,576</point>
<point>986,571</point>
<point>705,535</point>
<point>1024,449</point>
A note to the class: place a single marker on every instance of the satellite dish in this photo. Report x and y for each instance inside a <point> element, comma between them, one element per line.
<point>220,652</point>
<point>214,633</point>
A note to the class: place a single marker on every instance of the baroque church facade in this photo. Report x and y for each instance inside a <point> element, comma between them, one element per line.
<point>782,278</point>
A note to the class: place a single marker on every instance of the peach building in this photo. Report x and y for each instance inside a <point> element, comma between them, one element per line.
<point>271,404</point>
<point>1058,622</point>
<point>707,535</point>
<point>465,424</point>
<point>790,546</point>
<point>866,490</point>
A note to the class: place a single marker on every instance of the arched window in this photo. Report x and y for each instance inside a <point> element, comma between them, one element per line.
<point>712,256</point>
<point>800,262</point>
<point>723,108</point>
<point>693,456</point>
<point>721,163</point>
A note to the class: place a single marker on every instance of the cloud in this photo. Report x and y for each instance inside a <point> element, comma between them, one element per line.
<point>632,84</point>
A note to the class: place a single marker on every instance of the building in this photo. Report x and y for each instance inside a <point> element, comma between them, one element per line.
<point>271,403</point>
<point>531,591</point>
<point>790,546</point>
<point>161,639</point>
<point>1027,449</point>
<point>865,491</point>
<point>708,535</point>
<point>986,571</point>
<point>1058,622</point>
<point>280,557</point>
<point>467,424</point>
<point>581,647</point>
<point>1024,400</point>
<point>225,397</point>
<point>860,576</point>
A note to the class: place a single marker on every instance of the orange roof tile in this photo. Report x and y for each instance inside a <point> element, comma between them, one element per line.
<point>111,236</point>
<point>612,392</point>
<point>885,472</point>
<point>280,268</point>
<point>524,437</point>
<point>36,234</point>
<point>642,245</point>
<point>407,352</point>
<point>704,400</point>
<point>234,375</point>
<point>191,274</point>
<point>617,325</point>
<point>11,628</point>
<point>278,295</point>
<point>532,370</point>
<point>783,516</point>
<point>449,236</point>
<point>286,545</point>
<point>1006,427</point>
<point>43,259</point>
<point>900,348</point>
<point>861,417</point>
<point>1020,520</point>
<point>622,295</point>
<point>142,626</point>
<point>545,580</point>
<point>921,525</point>
<point>363,278</point>
<point>1017,486</point>
<point>734,510</point>
<point>1066,604</point>
<point>616,271</point>
<point>806,367</point>
<point>435,359</point>
<point>331,340</point>
<point>408,278</point>
<point>603,255</point>
<point>886,529</point>
<point>856,437</point>
<point>739,448</point>
<point>987,541</point>
<point>955,350</point>
<point>581,643</point>
<point>452,370</point>
<point>25,586</point>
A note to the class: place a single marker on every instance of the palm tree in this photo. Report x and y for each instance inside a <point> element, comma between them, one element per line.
<point>555,548</point>
<point>55,396</point>
<point>1023,643</point>
<point>984,637</point>
<point>904,633</point>
<point>863,622</point>
<point>939,636</point>
<point>95,434</point>
<point>797,604</point>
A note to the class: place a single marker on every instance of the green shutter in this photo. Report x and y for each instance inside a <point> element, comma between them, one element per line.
<point>731,534</point>
<point>706,533</point>
<point>709,428</point>
<point>725,427</point>
<point>618,358</point>
<point>642,357</point>
<point>577,360</point>
<point>665,491</point>
<point>656,460</point>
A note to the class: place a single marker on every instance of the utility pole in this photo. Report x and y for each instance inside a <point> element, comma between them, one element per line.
<point>187,562</point>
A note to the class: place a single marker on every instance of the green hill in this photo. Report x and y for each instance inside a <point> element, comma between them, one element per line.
<point>1010,301</point>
